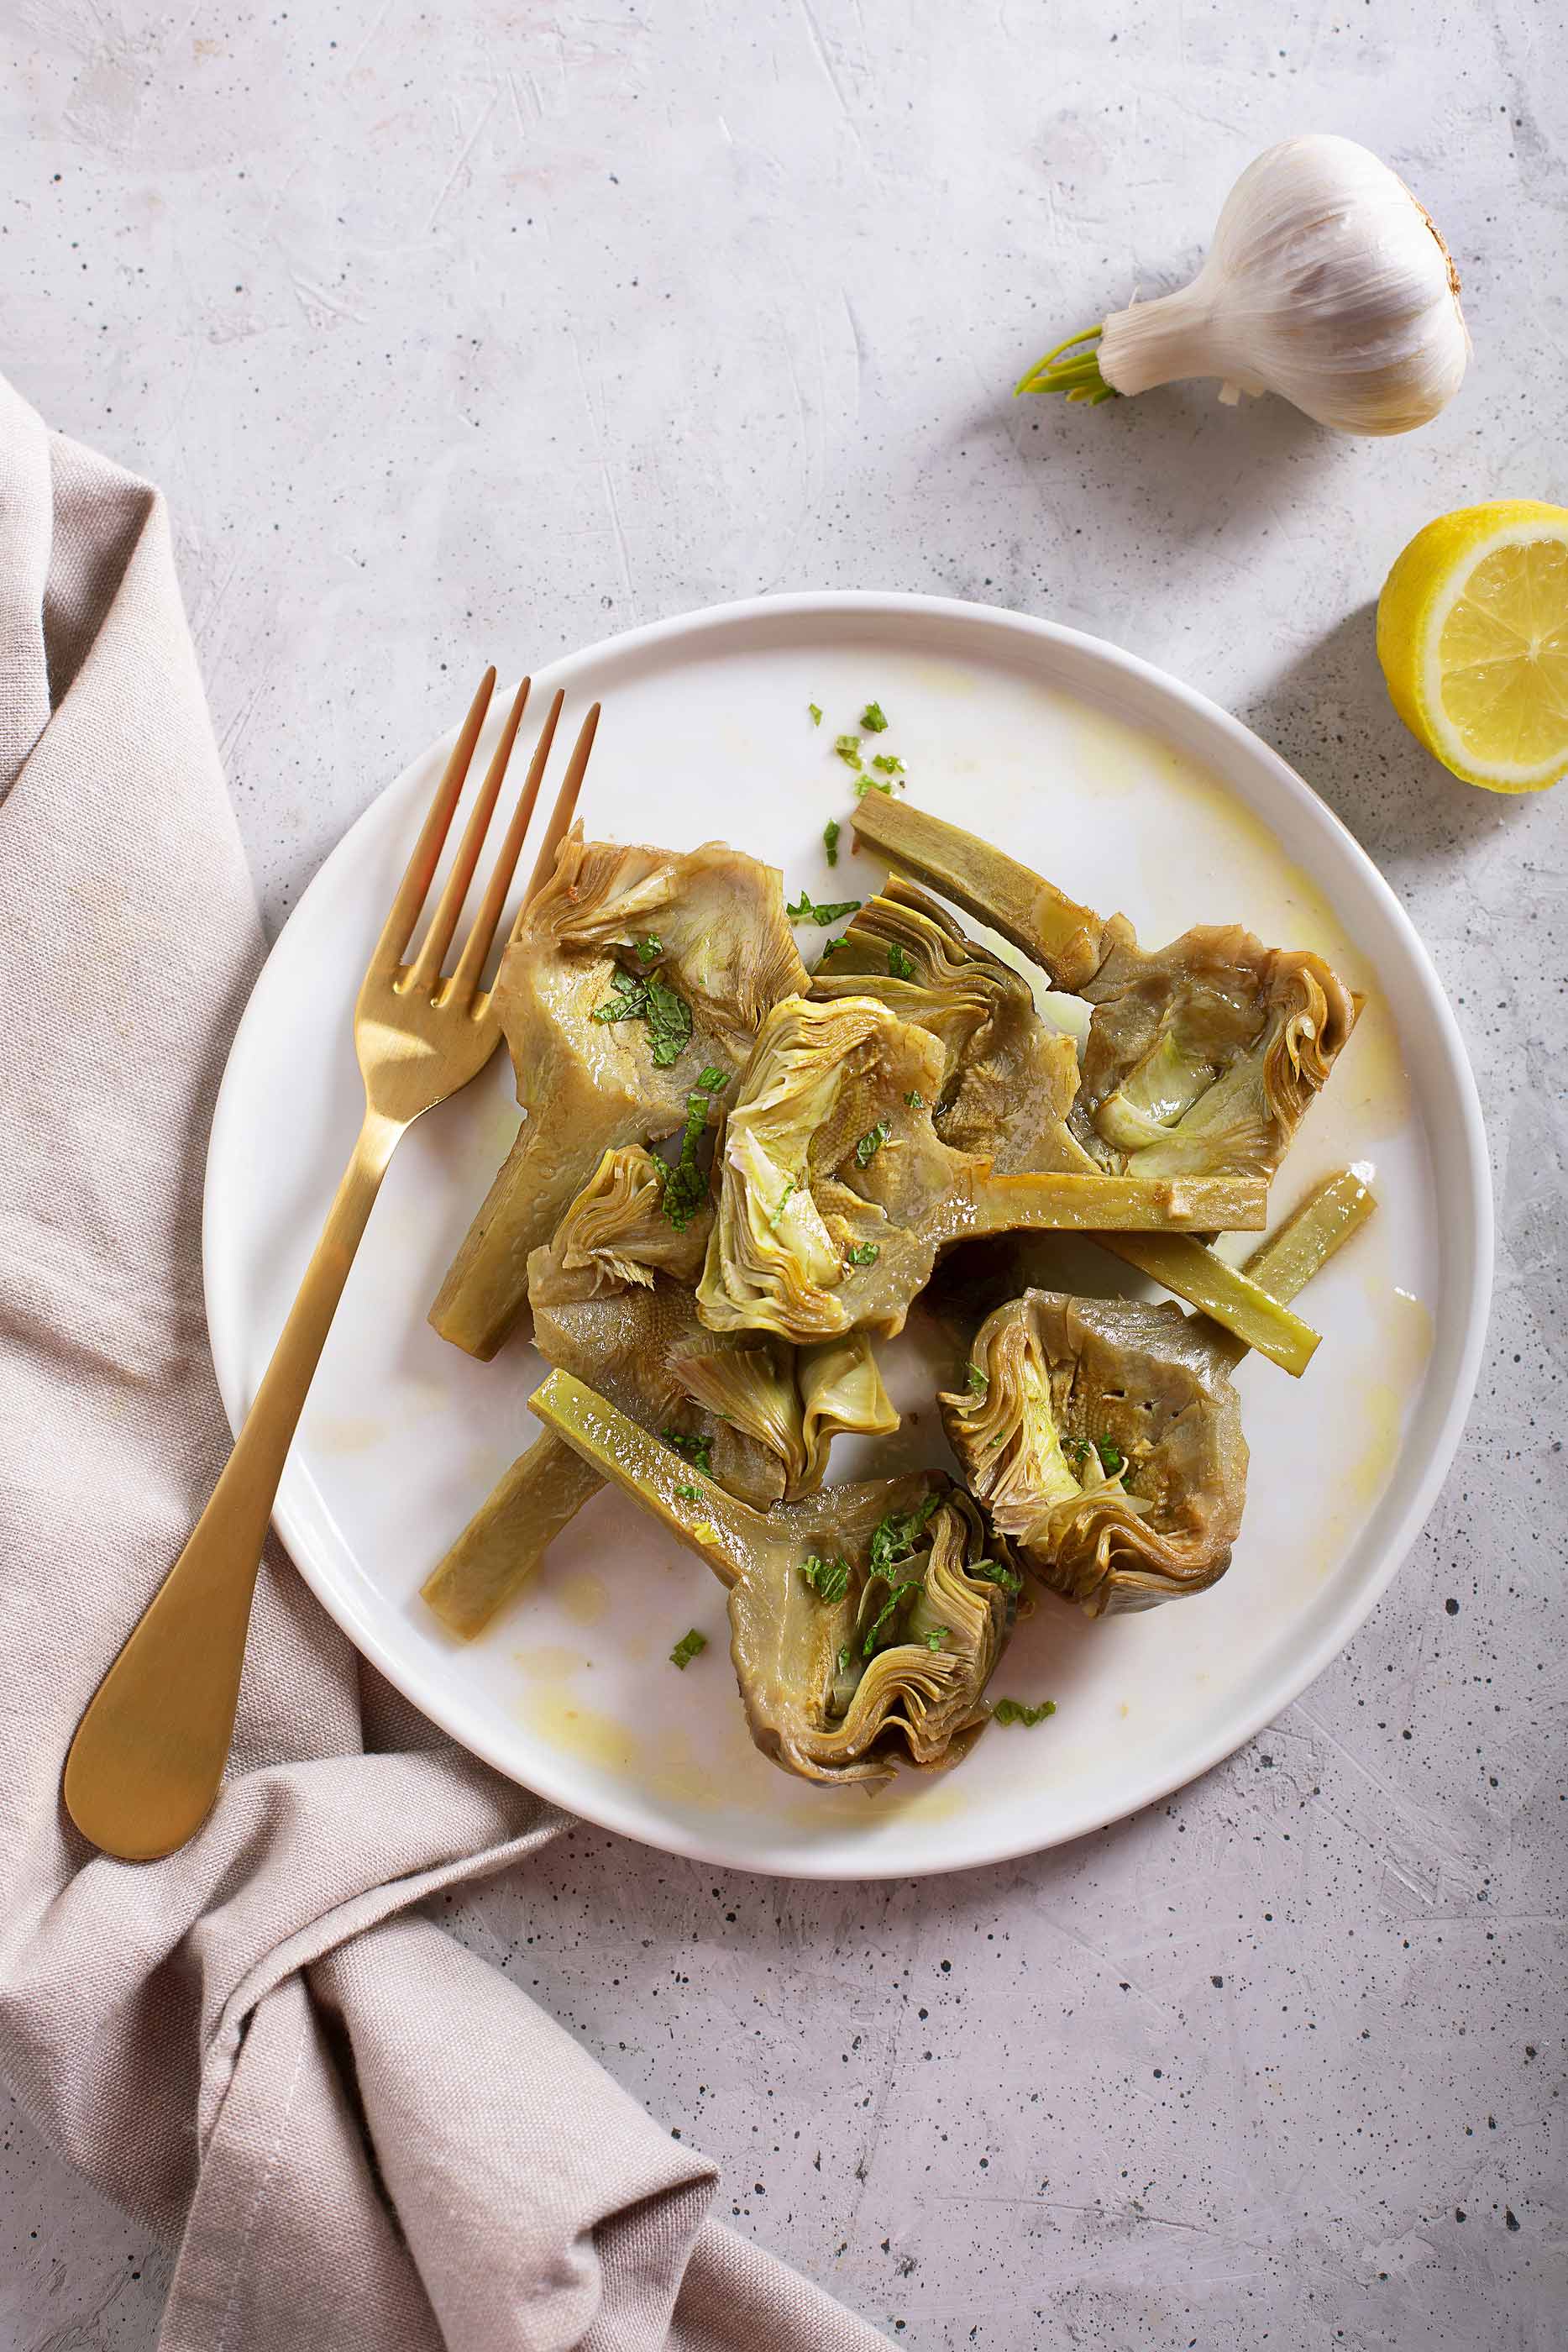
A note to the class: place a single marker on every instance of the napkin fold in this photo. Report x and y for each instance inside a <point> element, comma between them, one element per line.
<point>363,2136</point>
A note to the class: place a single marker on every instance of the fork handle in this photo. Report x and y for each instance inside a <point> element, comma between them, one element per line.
<point>148,1754</point>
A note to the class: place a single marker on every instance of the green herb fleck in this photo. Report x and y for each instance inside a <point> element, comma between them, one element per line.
<point>991,1571</point>
<point>900,965</point>
<point>864,784</point>
<point>937,1636</point>
<point>848,748</point>
<point>871,1141</point>
<point>689,1494</point>
<point>784,1198</point>
<point>829,1578</point>
<point>831,948</point>
<point>650,949</point>
<point>896,1533</point>
<point>669,1023</point>
<point>686,1186</point>
<point>872,719</point>
<point>914,1098</point>
<point>1013,1710</point>
<point>1111,1458</point>
<point>831,833</point>
<point>668,1016</point>
<point>862,1254</point>
<point>630,1002</point>
<point>690,1645</point>
<point>809,911</point>
<point>698,1451</point>
<point>876,1639</point>
<point>844,1656</point>
<point>890,764</point>
<point>976,1381</point>
<point>816,710</point>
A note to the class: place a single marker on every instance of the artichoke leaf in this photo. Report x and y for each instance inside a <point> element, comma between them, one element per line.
<point>793,1401</point>
<point>724,948</point>
<point>841,1394</point>
<point>1008,1078</point>
<point>818,1702</point>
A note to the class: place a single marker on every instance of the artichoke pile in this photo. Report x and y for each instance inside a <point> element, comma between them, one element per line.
<point>734,1180</point>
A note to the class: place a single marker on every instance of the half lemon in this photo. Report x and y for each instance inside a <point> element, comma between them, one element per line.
<point>1472,634</point>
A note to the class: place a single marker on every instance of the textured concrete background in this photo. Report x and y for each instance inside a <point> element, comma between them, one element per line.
<point>478,332</point>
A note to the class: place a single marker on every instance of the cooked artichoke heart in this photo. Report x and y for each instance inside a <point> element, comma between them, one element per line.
<point>724,948</point>
<point>1202,1057</point>
<point>1106,1443</point>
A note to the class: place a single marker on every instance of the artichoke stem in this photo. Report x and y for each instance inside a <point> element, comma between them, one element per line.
<point>726,1534</point>
<point>1066,939</point>
<point>508,1535</point>
<point>1101,1203</point>
<point>1309,1237</point>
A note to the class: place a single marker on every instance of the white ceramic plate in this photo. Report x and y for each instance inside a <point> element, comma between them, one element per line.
<point>1131,792</point>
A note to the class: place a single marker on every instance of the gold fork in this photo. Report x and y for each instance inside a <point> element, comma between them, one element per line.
<point>148,1754</point>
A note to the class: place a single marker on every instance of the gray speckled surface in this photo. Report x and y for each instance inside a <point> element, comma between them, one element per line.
<point>482,329</point>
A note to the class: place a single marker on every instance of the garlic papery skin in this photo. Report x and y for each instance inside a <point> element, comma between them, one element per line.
<point>1327,283</point>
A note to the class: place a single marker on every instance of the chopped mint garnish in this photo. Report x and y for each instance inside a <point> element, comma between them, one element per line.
<point>914,1098</point>
<point>871,1141</point>
<point>816,710</point>
<point>690,1493</point>
<point>889,762</point>
<point>1111,1458</point>
<point>668,1016</point>
<point>991,1571</point>
<point>697,1450</point>
<point>872,719</point>
<point>848,748</point>
<point>650,949</point>
<point>886,1617</point>
<point>976,1381</point>
<point>863,1254</point>
<point>690,1645</point>
<point>1013,1710</point>
<point>937,1636</point>
<point>894,1536</point>
<point>831,833</point>
<point>686,1186</point>
<point>829,1578</point>
<point>900,965</point>
<point>809,911</point>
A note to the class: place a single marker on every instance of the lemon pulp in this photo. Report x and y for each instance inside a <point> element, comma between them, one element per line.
<point>1472,633</point>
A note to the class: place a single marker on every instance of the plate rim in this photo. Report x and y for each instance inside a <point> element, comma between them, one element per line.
<point>1468,1146</point>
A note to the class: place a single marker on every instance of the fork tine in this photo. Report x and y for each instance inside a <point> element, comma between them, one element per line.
<point>412,890</point>
<point>426,969</point>
<point>565,809</point>
<point>477,948</point>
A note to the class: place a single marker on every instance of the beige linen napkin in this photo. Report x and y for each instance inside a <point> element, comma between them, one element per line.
<point>369,2138</point>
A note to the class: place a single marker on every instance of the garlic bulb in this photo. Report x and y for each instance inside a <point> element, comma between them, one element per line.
<point>1327,283</point>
